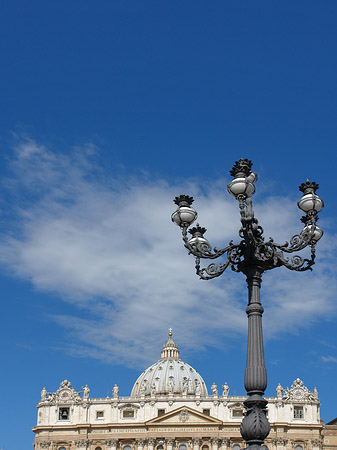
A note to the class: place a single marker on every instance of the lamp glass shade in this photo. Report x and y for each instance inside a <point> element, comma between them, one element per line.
<point>240,186</point>
<point>184,216</point>
<point>200,243</point>
<point>310,202</point>
<point>252,177</point>
<point>313,230</point>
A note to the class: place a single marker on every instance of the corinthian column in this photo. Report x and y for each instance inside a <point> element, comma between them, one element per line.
<point>196,444</point>
<point>224,444</point>
<point>214,442</point>
<point>140,444</point>
<point>112,444</point>
<point>82,444</point>
<point>169,444</point>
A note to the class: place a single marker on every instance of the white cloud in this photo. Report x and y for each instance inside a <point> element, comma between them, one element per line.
<point>329,359</point>
<point>109,246</point>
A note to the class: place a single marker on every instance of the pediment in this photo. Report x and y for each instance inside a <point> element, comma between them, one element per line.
<point>184,415</point>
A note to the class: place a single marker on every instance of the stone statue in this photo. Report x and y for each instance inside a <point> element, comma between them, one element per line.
<point>115,391</point>
<point>43,394</point>
<point>153,389</point>
<point>142,389</point>
<point>197,388</point>
<point>225,388</point>
<point>279,391</point>
<point>315,393</point>
<point>185,385</point>
<point>214,388</point>
<point>86,391</point>
<point>170,386</point>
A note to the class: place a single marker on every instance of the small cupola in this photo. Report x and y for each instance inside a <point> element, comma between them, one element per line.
<point>170,349</point>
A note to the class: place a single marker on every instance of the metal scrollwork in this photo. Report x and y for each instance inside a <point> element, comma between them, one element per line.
<point>253,248</point>
<point>212,270</point>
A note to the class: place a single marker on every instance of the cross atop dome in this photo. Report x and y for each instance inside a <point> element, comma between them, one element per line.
<point>170,349</point>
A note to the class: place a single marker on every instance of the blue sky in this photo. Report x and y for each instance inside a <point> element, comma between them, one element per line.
<point>108,111</point>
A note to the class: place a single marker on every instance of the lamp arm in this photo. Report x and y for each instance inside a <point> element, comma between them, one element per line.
<point>297,242</point>
<point>204,250</point>
<point>213,270</point>
<point>296,262</point>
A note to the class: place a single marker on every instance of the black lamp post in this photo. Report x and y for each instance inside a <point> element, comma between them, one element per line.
<point>252,256</point>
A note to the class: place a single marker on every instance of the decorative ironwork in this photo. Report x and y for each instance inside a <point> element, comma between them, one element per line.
<point>253,248</point>
<point>184,200</point>
<point>252,256</point>
<point>308,187</point>
<point>241,167</point>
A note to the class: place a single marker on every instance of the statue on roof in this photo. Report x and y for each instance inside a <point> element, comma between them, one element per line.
<point>185,385</point>
<point>225,388</point>
<point>153,389</point>
<point>214,389</point>
<point>86,391</point>
<point>115,391</point>
<point>197,388</point>
<point>171,385</point>
<point>279,391</point>
<point>44,395</point>
<point>142,388</point>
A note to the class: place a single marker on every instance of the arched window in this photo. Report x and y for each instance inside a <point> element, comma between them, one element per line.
<point>127,447</point>
<point>98,448</point>
<point>236,447</point>
<point>62,448</point>
<point>205,447</point>
<point>182,447</point>
<point>298,447</point>
<point>160,447</point>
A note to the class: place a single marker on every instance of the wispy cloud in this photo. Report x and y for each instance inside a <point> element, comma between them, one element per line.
<point>109,247</point>
<point>329,359</point>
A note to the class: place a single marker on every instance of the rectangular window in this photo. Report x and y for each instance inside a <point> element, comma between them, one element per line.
<point>207,412</point>
<point>99,414</point>
<point>64,414</point>
<point>298,412</point>
<point>161,412</point>
<point>128,413</point>
<point>236,413</point>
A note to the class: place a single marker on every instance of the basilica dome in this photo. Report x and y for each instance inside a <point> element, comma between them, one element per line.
<point>169,375</point>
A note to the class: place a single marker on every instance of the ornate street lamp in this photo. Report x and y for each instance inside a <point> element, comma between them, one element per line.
<point>252,256</point>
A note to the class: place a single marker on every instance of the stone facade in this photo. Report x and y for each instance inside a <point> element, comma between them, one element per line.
<point>170,409</point>
<point>330,435</point>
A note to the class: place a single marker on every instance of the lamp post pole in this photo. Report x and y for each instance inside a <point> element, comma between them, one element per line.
<point>252,256</point>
